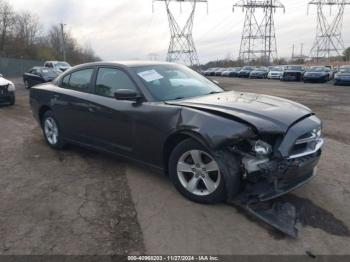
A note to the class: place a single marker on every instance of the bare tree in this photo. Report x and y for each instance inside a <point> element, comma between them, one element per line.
<point>27,29</point>
<point>6,22</point>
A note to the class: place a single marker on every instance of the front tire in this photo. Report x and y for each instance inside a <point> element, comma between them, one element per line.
<point>52,131</point>
<point>196,173</point>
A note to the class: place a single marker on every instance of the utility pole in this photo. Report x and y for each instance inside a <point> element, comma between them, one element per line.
<point>181,46</point>
<point>301,49</point>
<point>258,38</point>
<point>328,41</point>
<point>63,42</point>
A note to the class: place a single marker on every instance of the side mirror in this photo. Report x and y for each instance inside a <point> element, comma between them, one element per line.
<point>1,75</point>
<point>126,94</point>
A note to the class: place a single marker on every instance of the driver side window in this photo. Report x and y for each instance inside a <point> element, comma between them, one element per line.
<point>109,80</point>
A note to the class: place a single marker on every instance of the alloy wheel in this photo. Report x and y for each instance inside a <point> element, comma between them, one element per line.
<point>198,172</point>
<point>51,130</point>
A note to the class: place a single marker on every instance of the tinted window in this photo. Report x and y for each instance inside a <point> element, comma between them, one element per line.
<point>109,80</point>
<point>65,81</point>
<point>79,80</point>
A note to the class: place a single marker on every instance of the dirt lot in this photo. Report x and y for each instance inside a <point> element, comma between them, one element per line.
<point>71,202</point>
<point>82,202</point>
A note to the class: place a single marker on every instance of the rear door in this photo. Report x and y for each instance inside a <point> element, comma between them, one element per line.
<point>73,104</point>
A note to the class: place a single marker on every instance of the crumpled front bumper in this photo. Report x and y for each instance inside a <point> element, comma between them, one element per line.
<point>279,177</point>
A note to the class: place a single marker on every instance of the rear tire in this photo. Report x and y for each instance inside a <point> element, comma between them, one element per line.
<point>196,173</point>
<point>52,132</point>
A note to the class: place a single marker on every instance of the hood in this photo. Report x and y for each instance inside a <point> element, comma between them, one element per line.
<point>343,74</point>
<point>267,114</point>
<point>4,82</point>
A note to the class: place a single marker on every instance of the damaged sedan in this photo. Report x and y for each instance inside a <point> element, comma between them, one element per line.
<point>214,145</point>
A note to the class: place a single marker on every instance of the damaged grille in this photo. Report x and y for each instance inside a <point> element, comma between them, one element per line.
<point>307,144</point>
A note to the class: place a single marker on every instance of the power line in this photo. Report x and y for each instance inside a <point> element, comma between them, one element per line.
<point>258,37</point>
<point>182,47</point>
<point>328,41</point>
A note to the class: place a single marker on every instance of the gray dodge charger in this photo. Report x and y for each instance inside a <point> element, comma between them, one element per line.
<point>214,145</point>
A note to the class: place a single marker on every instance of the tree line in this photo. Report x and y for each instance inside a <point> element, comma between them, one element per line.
<point>22,36</point>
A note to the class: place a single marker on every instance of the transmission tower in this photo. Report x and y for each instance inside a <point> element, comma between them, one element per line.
<point>329,41</point>
<point>258,37</point>
<point>182,47</point>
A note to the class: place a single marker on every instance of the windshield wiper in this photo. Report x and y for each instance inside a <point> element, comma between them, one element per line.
<point>214,92</point>
<point>178,98</point>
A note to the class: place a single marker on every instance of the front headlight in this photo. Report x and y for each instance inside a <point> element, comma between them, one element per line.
<point>262,148</point>
<point>11,87</point>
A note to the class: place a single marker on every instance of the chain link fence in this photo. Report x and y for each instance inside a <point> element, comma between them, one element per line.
<point>12,67</point>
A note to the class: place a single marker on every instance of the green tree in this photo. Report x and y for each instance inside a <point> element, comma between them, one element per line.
<point>346,54</point>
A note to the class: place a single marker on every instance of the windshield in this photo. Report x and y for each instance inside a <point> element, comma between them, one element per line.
<point>318,69</point>
<point>299,68</point>
<point>62,64</point>
<point>276,69</point>
<point>172,82</point>
<point>248,68</point>
<point>344,70</point>
<point>261,69</point>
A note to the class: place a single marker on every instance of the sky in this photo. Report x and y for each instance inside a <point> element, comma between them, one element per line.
<point>132,29</point>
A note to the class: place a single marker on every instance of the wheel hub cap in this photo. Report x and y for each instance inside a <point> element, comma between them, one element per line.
<point>51,130</point>
<point>198,172</point>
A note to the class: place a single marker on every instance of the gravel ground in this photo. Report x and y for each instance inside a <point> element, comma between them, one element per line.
<point>81,202</point>
<point>177,226</point>
<point>72,202</point>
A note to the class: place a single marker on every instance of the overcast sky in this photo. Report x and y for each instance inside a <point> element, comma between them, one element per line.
<point>128,29</point>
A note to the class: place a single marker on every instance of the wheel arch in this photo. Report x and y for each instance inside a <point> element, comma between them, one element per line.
<point>174,139</point>
<point>43,109</point>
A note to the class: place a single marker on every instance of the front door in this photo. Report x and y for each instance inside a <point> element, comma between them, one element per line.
<point>112,126</point>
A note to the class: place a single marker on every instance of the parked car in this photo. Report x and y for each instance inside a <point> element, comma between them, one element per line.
<point>293,73</point>
<point>58,65</point>
<point>245,71</point>
<point>318,74</point>
<point>219,71</point>
<point>7,91</point>
<point>214,145</point>
<point>342,76</point>
<point>260,72</point>
<point>275,72</point>
<point>233,72</point>
<point>39,75</point>
<point>227,71</point>
<point>211,71</point>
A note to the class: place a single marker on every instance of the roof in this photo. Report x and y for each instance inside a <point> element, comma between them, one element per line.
<point>129,63</point>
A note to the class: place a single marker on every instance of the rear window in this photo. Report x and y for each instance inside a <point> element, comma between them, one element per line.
<point>79,80</point>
